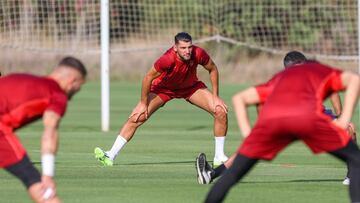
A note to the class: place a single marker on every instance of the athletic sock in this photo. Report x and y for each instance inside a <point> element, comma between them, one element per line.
<point>117,146</point>
<point>219,146</point>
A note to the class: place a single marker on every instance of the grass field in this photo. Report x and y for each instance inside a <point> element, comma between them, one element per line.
<point>158,164</point>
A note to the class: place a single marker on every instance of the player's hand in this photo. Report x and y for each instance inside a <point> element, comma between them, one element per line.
<point>140,109</point>
<point>49,188</point>
<point>219,102</point>
<point>340,124</point>
<point>351,131</point>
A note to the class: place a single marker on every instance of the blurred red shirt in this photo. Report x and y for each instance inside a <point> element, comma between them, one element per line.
<point>25,97</point>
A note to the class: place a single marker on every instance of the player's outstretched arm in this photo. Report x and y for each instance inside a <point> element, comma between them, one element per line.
<point>336,103</point>
<point>351,82</point>
<point>241,101</point>
<point>49,146</point>
<point>49,143</point>
<point>214,78</point>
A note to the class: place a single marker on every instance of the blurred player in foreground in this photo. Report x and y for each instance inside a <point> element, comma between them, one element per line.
<point>174,76</point>
<point>292,110</point>
<point>25,98</point>
<point>206,174</point>
<point>295,57</point>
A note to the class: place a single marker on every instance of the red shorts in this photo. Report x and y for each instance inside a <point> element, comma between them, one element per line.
<point>167,94</point>
<point>11,150</point>
<point>270,136</point>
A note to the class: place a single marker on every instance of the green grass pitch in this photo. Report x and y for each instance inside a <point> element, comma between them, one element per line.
<point>158,164</point>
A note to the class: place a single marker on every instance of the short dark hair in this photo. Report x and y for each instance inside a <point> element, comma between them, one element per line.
<point>74,63</point>
<point>294,57</point>
<point>182,36</point>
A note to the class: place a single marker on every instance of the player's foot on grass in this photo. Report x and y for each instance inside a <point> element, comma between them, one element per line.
<point>102,157</point>
<point>346,181</point>
<point>219,160</point>
<point>203,169</point>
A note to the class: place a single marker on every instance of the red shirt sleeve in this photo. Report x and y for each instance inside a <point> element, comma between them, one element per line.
<point>201,56</point>
<point>164,62</point>
<point>265,89</point>
<point>58,103</point>
<point>334,81</point>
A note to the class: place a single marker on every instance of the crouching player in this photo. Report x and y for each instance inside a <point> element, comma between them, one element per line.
<point>307,85</point>
<point>207,174</point>
<point>25,98</point>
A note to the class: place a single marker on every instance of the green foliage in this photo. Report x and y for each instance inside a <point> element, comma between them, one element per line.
<point>302,35</point>
<point>269,23</point>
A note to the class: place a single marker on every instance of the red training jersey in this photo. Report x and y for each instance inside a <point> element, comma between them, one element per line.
<point>25,97</point>
<point>177,74</point>
<point>298,90</point>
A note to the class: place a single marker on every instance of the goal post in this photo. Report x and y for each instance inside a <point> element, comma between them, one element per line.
<point>358,39</point>
<point>105,66</point>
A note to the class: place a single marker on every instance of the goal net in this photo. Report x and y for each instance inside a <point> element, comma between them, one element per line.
<point>323,27</point>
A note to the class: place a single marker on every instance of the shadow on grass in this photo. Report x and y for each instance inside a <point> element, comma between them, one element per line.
<point>197,128</point>
<point>155,163</point>
<point>295,181</point>
<point>243,182</point>
<point>139,164</point>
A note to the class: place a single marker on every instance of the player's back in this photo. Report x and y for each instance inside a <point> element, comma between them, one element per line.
<point>300,90</point>
<point>23,97</point>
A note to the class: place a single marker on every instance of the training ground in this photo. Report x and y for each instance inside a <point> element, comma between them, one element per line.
<point>158,164</point>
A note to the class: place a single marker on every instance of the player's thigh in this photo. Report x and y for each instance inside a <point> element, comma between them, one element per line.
<point>202,98</point>
<point>266,140</point>
<point>155,102</point>
<point>11,150</point>
<point>325,137</point>
<point>25,171</point>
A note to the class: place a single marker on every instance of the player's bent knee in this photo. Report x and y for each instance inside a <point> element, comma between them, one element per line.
<point>220,114</point>
<point>25,171</point>
<point>139,121</point>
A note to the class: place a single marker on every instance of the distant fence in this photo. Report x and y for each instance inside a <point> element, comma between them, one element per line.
<point>322,27</point>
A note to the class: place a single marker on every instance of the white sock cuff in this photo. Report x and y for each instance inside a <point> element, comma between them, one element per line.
<point>220,138</point>
<point>122,138</point>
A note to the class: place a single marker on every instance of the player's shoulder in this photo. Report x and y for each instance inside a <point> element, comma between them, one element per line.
<point>324,69</point>
<point>168,55</point>
<point>312,64</point>
<point>198,49</point>
<point>43,82</point>
<point>24,78</point>
<point>21,75</point>
<point>200,53</point>
<point>167,59</point>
